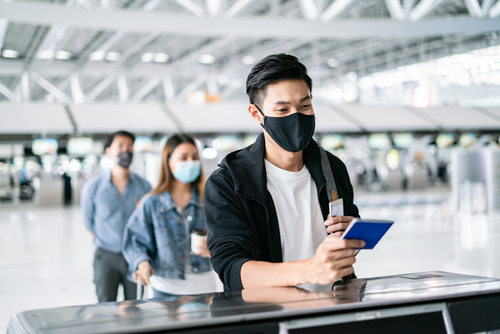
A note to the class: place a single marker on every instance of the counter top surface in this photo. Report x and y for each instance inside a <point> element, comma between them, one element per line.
<point>252,304</point>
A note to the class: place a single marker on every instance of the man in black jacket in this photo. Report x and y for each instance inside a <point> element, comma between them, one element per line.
<point>266,207</point>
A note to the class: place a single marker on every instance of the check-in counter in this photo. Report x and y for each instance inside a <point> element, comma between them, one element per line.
<point>429,302</point>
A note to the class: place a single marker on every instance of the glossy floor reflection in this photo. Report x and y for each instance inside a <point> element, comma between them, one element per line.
<point>46,254</point>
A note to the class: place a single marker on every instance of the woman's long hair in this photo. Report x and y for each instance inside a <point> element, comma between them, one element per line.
<point>166,176</point>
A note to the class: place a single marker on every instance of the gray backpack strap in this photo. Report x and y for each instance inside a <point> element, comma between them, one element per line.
<point>331,186</point>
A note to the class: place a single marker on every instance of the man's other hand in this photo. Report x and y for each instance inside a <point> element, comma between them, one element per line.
<point>333,260</point>
<point>337,225</point>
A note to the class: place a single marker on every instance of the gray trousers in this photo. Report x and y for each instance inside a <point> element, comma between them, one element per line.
<point>110,270</point>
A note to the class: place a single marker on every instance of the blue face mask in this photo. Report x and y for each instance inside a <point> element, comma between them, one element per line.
<point>187,171</point>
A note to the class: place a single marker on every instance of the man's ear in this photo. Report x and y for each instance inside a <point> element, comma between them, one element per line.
<point>106,151</point>
<point>255,113</point>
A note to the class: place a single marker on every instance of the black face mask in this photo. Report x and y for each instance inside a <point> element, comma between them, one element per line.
<point>124,159</point>
<point>292,133</point>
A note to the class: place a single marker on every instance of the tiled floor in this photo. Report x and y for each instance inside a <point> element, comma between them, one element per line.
<point>46,254</point>
<point>45,259</point>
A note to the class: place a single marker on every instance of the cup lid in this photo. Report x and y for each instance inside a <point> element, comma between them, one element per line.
<point>200,231</point>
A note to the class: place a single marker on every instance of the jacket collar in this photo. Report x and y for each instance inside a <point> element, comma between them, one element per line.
<point>167,203</point>
<point>248,170</point>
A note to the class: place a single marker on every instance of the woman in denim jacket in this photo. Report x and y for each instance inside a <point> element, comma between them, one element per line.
<point>157,236</point>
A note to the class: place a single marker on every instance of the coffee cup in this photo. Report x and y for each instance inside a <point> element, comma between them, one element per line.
<point>197,237</point>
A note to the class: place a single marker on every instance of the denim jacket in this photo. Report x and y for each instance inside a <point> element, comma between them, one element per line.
<point>156,232</point>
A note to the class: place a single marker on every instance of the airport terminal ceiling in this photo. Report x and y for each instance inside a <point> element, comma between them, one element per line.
<point>183,53</point>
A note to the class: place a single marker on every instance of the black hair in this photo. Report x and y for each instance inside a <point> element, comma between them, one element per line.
<point>111,137</point>
<point>273,69</point>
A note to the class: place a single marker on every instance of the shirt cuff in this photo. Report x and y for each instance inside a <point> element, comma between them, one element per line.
<point>138,259</point>
<point>232,278</point>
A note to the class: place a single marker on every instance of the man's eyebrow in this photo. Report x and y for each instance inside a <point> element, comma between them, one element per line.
<point>285,102</point>
<point>305,98</point>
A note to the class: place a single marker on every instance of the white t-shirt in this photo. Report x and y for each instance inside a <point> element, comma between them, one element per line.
<point>300,219</point>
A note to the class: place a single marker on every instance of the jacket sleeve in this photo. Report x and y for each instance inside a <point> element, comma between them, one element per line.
<point>87,204</point>
<point>231,240</point>
<point>138,237</point>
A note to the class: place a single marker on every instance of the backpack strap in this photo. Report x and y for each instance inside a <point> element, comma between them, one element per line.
<point>327,172</point>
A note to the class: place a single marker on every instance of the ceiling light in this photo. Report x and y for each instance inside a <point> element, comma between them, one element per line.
<point>350,92</point>
<point>334,93</point>
<point>421,97</point>
<point>197,98</point>
<point>147,57</point>
<point>48,54</point>
<point>366,83</point>
<point>63,55</point>
<point>10,54</point>
<point>209,153</point>
<point>96,56</point>
<point>213,7</point>
<point>352,76</point>
<point>332,62</point>
<point>113,56</point>
<point>248,60</point>
<point>161,57</point>
<point>206,59</point>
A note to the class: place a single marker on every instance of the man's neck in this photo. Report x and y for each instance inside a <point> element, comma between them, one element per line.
<point>290,161</point>
<point>120,173</point>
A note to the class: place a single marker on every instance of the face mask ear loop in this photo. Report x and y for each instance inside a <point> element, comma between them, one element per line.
<point>259,109</point>
<point>261,113</point>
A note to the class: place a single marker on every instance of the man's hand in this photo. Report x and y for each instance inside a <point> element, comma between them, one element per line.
<point>333,260</point>
<point>337,225</point>
<point>144,270</point>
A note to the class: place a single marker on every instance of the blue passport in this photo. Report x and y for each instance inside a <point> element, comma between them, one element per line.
<point>370,231</point>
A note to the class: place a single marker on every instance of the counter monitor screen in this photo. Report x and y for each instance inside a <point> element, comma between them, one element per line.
<point>80,146</point>
<point>379,141</point>
<point>332,142</point>
<point>143,144</point>
<point>467,139</point>
<point>445,140</point>
<point>403,140</point>
<point>249,140</point>
<point>43,146</point>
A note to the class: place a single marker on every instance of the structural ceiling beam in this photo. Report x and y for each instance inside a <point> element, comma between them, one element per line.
<point>50,88</point>
<point>260,27</point>
<point>7,93</point>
